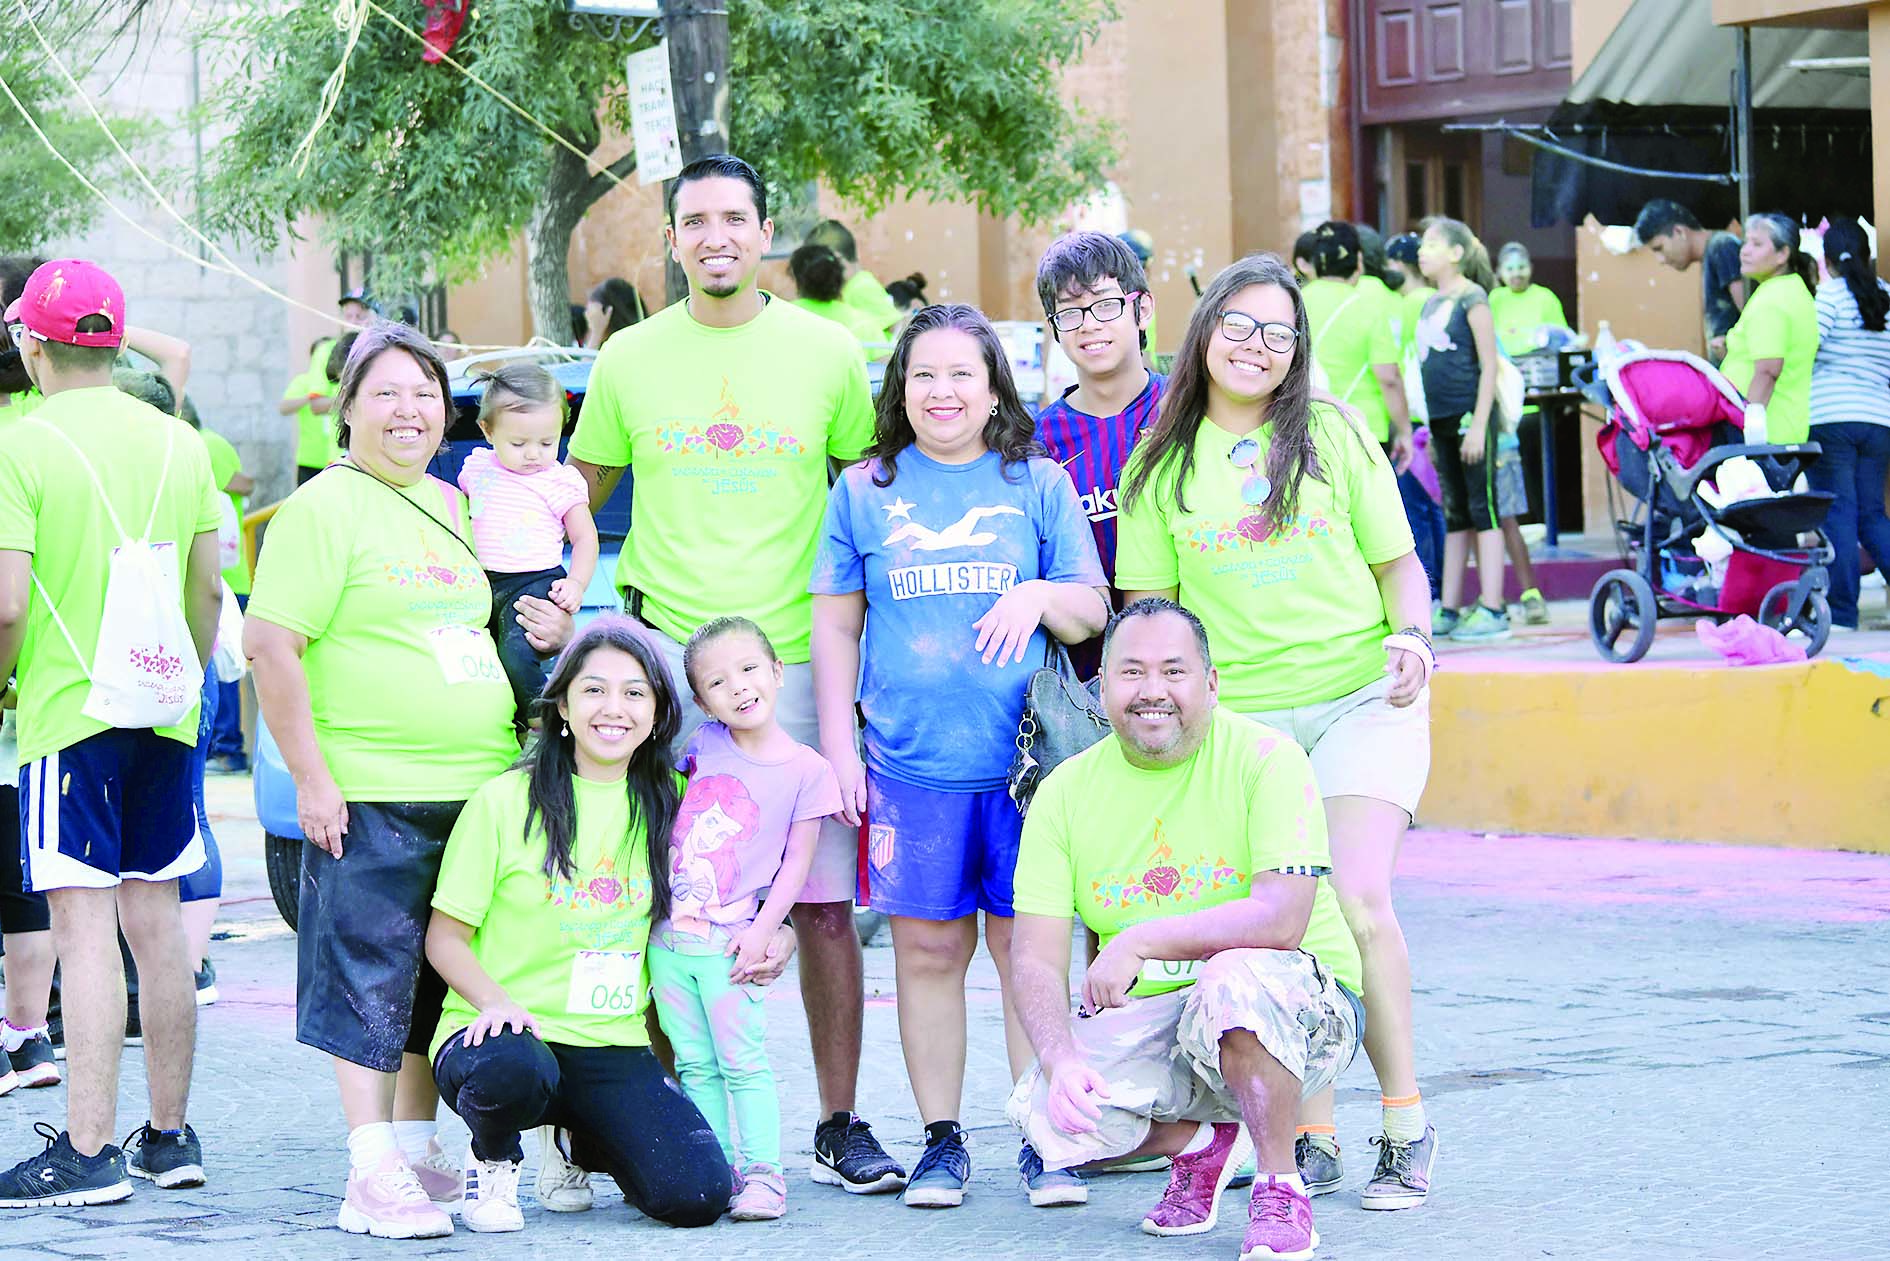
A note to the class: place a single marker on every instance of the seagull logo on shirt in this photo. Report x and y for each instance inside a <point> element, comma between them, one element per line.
<point>960,533</point>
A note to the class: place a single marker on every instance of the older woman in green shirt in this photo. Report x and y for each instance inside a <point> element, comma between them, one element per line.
<point>1770,350</point>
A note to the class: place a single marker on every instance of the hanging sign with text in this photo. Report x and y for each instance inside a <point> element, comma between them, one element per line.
<point>653,115</point>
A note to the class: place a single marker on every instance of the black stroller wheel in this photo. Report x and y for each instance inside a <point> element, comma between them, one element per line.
<point>1621,616</point>
<point>1811,619</point>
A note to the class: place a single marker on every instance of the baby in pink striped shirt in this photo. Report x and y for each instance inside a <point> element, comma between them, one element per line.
<point>525,504</point>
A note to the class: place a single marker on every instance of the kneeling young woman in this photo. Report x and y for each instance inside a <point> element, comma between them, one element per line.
<point>541,920</point>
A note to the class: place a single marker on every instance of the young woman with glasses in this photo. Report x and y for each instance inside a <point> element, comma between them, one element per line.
<point>1277,520</point>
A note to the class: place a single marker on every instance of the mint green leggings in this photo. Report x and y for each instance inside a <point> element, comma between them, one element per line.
<point>719,1032</point>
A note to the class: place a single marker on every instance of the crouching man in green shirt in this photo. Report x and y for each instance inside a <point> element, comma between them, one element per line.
<point>1193,842</point>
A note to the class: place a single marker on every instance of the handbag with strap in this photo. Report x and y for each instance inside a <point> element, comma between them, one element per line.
<point>1062,716</point>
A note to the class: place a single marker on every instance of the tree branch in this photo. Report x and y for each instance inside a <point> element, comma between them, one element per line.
<point>600,184</point>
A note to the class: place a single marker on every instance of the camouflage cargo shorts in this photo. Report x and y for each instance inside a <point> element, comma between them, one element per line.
<point>1161,1055</point>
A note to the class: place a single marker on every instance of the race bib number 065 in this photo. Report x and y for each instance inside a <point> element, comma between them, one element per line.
<point>605,983</point>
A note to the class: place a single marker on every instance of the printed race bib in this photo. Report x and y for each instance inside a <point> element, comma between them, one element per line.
<point>604,983</point>
<point>1167,972</point>
<point>466,654</point>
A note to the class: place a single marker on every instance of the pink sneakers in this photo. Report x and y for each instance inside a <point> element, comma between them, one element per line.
<point>1192,1203</point>
<point>388,1202</point>
<point>441,1177</point>
<point>760,1194</point>
<point>1279,1223</point>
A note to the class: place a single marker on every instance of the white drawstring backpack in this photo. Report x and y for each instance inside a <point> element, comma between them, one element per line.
<point>144,672</point>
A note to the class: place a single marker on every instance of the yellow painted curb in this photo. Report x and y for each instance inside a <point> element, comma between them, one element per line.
<point>1795,755</point>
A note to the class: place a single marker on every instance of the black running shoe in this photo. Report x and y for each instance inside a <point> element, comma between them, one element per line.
<point>60,1177</point>
<point>170,1159</point>
<point>34,1060</point>
<point>846,1155</point>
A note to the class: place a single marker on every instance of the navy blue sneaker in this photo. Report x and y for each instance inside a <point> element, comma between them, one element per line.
<point>170,1158</point>
<point>1049,1188</point>
<point>60,1177</point>
<point>938,1181</point>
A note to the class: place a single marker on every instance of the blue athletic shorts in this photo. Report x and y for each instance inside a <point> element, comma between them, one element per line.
<point>115,806</point>
<point>939,855</point>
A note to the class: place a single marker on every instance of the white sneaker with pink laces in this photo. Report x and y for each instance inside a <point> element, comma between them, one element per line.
<point>388,1202</point>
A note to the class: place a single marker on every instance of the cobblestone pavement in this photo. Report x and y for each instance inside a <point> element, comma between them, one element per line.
<point>1629,1050</point>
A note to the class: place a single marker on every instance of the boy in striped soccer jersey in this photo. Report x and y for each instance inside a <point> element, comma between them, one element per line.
<point>1096,300</point>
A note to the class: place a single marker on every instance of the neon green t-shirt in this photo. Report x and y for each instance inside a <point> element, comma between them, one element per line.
<point>16,406</point>
<point>50,507</point>
<point>728,432</point>
<point>409,700</point>
<point>569,951</point>
<point>225,463</point>
<point>1353,330</point>
<point>847,315</point>
<point>1519,315</point>
<point>864,292</point>
<point>1294,615</point>
<point>1118,845</point>
<point>315,445</point>
<point>1780,321</point>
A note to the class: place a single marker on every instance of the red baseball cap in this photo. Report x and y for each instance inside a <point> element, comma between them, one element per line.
<point>61,293</point>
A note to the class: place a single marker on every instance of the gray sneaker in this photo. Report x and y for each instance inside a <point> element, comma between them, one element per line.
<point>1049,1188</point>
<point>1483,625</point>
<point>1443,620</point>
<point>1319,1165</point>
<point>1403,1176</point>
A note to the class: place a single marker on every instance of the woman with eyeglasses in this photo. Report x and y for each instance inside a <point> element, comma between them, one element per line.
<point>1278,522</point>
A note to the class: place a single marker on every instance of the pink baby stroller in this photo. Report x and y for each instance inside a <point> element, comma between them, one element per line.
<point>1673,422</point>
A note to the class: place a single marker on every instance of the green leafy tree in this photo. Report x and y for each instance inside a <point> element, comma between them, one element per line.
<point>44,201</point>
<point>432,175</point>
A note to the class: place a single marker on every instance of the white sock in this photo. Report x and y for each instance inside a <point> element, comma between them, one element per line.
<point>1289,1179</point>
<point>1202,1137</point>
<point>415,1137</point>
<point>12,1037</point>
<point>368,1143</point>
<point>1405,1121</point>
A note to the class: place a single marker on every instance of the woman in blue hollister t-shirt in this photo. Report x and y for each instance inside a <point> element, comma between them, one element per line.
<point>945,559</point>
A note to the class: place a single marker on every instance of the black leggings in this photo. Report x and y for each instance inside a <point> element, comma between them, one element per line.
<point>626,1116</point>
<point>1469,489</point>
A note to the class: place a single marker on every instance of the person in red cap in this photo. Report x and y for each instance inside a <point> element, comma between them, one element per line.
<point>108,512</point>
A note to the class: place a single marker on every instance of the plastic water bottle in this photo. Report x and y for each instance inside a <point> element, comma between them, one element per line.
<point>1606,347</point>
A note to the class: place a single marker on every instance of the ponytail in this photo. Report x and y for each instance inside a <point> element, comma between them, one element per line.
<point>1476,259</point>
<point>1847,254</point>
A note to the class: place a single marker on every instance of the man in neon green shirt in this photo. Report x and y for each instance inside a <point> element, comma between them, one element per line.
<point>110,822</point>
<point>1192,841</point>
<point>1354,323</point>
<point>728,407</point>
<point>1520,308</point>
<point>862,289</point>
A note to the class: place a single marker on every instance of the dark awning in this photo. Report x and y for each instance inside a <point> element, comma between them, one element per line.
<point>1659,96</point>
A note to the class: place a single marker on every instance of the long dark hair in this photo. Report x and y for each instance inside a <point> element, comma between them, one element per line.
<point>552,761</point>
<point>1169,443</point>
<point>1783,229</point>
<point>623,305</point>
<point>1012,432</point>
<point>1847,254</point>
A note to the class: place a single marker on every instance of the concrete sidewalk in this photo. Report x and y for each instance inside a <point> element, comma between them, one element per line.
<point>1629,1049</point>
